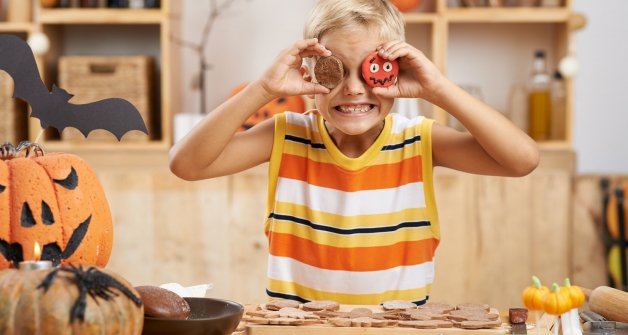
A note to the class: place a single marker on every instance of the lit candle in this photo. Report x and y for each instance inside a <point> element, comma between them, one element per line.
<point>37,264</point>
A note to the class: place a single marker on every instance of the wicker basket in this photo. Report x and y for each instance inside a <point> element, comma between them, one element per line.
<point>7,109</point>
<point>93,78</point>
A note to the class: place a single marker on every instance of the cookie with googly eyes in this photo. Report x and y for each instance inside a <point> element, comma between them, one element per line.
<point>329,71</point>
<point>379,72</point>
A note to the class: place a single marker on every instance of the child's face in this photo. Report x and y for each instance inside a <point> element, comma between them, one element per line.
<point>351,107</point>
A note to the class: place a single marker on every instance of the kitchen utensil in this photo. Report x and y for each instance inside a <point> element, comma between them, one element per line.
<point>597,324</point>
<point>208,316</point>
<point>608,302</point>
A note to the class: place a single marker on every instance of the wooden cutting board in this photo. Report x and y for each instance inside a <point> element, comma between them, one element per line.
<point>545,322</point>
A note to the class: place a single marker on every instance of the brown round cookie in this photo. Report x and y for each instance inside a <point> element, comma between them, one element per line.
<point>329,71</point>
<point>435,306</point>
<point>483,307</point>
<point>321,305</point>
<point>277,304</point>
<point>398,304</point>
<point>162,303</point>
<point>426,324</point>
<point>479,324</point>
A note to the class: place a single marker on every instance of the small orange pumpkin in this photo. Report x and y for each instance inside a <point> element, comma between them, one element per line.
<point>406,5</point>
<point>556,302</point>
<point>53,199</point>
<point>293,104</point>
<point>576,296</point>
<point>533,296</point>
<point>68,300</point>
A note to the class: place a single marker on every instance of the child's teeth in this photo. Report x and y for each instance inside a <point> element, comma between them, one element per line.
<point>354,109</point>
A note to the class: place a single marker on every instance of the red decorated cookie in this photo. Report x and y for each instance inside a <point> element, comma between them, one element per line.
<point>379,72</point>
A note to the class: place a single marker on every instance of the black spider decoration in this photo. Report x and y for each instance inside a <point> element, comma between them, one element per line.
<point>92,281</point>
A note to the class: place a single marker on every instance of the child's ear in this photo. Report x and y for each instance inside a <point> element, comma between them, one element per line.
<point>307,76</point>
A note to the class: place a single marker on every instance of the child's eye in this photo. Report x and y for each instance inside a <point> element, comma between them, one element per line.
<point>387,67</point>
<point>375,68</point>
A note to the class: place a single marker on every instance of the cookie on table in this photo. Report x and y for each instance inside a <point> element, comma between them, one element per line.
<point>277,304</point>
<point>321,305</point>
<point>398,304</point>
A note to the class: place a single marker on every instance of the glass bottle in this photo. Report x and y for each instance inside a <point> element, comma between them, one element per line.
<point>559,108</point>
<point>539,99</point>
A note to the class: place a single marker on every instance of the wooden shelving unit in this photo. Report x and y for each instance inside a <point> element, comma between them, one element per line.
<point>56,23</point>
<point>441,22</point>
<point>436,27</point>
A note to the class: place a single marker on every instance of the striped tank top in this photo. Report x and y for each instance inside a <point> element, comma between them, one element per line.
<point>353,230</point>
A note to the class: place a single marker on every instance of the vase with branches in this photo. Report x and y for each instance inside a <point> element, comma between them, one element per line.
<point>199,81</point>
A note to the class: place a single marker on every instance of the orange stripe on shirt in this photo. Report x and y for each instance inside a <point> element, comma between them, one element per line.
<point>370,178</point>
<point>352,259</point>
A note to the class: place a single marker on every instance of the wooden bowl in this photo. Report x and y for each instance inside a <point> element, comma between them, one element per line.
<point>208,316</point>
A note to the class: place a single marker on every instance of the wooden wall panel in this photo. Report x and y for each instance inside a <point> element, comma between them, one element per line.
<point>498,232</point>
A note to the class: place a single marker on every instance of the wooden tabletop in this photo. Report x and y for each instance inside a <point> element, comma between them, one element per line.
<point>545,323</point>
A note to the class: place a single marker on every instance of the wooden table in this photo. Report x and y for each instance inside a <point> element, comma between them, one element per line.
<point>545,322</point>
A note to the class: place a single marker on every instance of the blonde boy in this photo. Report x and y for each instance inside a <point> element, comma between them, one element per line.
<point>351,211</point>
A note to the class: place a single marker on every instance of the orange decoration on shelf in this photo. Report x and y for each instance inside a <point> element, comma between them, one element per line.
<point>53,199</point>
<point>533,296</point>
<point>406,5</point>
<point>293,104</point>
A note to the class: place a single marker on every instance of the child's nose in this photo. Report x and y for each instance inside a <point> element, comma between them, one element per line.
<point>354,84</point>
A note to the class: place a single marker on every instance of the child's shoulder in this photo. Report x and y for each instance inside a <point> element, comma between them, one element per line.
<point>307,119</point>
<point>401,122</point>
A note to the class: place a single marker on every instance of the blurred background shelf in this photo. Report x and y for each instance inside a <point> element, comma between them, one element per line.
<point>102,16</point>
<point>512,15</point>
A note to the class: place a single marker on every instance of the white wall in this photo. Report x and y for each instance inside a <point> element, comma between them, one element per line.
<point>244,41</point>
<point>601,114</point>
<point>250,35</point>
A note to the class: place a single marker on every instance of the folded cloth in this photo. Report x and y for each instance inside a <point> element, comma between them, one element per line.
<point>196,291</point>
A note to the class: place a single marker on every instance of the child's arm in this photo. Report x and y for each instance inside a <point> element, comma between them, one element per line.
<point>214,149</point>
<point>493,145</point>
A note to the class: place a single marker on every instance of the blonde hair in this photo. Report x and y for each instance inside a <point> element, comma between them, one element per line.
<point>329,15</point>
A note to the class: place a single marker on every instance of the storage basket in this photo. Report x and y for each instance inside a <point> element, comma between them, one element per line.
<point>7,109</point>
<point>93,78</point>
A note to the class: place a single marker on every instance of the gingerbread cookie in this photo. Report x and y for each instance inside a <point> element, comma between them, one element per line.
<point>329,71</point>
<point>321,305</point>
<point>277,304</point>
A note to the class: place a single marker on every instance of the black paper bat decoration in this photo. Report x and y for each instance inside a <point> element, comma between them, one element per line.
<point>115,115</point>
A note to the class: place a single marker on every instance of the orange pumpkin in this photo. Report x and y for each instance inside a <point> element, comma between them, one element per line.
<point>406,5</point>
<point>576,296</point>
<point>68,300</point>
<point>276,106</point>
<point>556,302</point>
<point>55,200</point>
<point>533,296</point>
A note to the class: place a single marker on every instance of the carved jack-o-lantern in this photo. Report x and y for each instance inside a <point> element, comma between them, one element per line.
<point>293,104</point>
<point>379,72</point>
<point>55,200</point>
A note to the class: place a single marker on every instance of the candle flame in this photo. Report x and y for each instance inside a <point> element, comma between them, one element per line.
<point>37,251</point>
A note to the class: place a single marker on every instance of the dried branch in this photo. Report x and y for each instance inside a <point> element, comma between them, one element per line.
<point>215,11</point>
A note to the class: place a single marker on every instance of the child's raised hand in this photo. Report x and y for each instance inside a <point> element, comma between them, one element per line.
<point>418,76</point>
<point>284,78</point>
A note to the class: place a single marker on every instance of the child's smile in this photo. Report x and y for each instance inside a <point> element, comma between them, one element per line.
<point>354,115</point>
